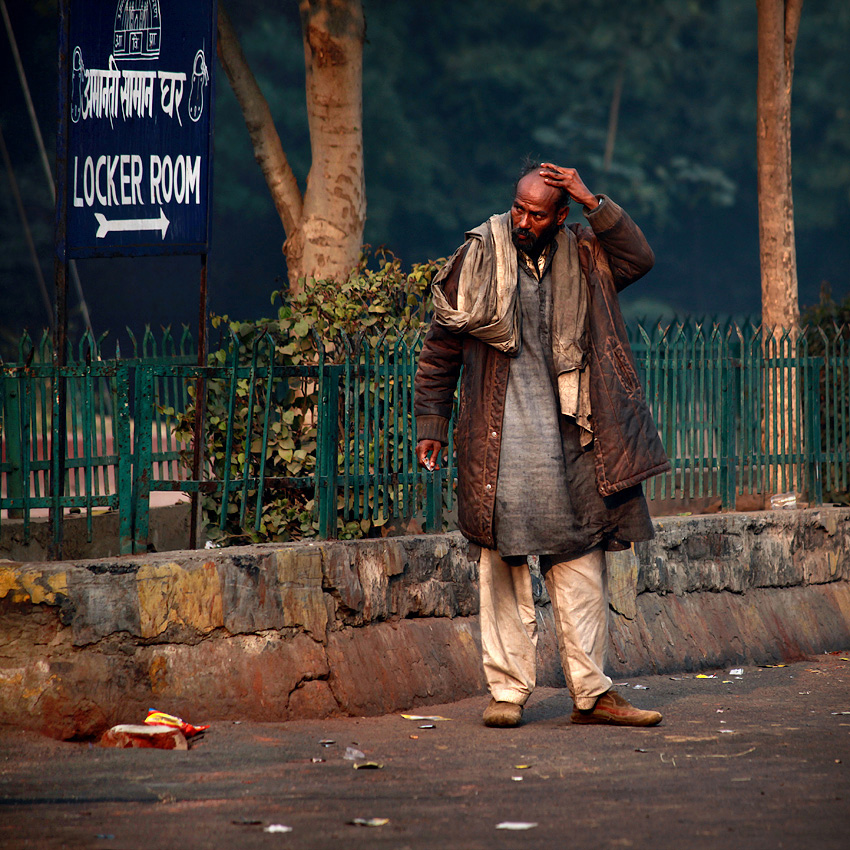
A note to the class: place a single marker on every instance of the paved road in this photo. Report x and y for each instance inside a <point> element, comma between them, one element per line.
<point>757,761</point>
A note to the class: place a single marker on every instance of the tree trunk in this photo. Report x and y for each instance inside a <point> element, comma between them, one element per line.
<point>335,199</point>
<point>324,228</point>
<point>778,23</point>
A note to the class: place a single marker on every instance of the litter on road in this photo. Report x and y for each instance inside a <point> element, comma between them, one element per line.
<point>424,717</point>
<point>515,824</point>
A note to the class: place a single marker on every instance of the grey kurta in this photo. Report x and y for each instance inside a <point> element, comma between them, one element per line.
<point>546,497</point>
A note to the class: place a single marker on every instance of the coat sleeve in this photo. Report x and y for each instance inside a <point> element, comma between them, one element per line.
<point>628,253</point>
<point>439,367</point>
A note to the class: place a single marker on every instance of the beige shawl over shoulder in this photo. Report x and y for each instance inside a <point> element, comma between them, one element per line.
<point>488,308</point>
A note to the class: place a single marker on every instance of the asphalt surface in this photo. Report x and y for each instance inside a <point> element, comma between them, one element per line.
<point>760,760</point>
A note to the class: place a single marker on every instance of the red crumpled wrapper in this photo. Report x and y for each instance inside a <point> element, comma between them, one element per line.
<point>160,718</point>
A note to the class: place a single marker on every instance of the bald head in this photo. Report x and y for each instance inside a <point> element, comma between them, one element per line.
<point>537,213</point>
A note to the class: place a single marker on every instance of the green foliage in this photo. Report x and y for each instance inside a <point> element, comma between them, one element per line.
<point>383,303</point>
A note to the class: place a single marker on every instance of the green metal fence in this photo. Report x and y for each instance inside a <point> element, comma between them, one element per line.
<point>741,411</point>
<point>744,411</point>
<point>110,402</point>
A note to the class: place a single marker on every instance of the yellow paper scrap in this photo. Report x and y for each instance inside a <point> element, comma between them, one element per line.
<point>424,717</point>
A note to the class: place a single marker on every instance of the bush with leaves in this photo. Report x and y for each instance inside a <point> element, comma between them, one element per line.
<point>383,303</point>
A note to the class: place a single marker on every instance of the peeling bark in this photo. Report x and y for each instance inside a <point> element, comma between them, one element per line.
<point>778,24</point>
<point>324,227</point>
<point>335,199</point>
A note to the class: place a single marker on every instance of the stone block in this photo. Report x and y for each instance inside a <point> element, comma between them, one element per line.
<point>374,582</point>
<point>102,605</point>
<point>299,576</point>
<point>187,596</point>
<point>341,577</point>
<point>312,699</point>
<point>249,591</point>
<point>390,666</point>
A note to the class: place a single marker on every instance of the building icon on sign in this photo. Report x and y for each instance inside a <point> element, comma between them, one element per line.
<point>138,29</point>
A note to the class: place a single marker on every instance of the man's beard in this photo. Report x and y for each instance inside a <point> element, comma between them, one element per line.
<point>525,241</point>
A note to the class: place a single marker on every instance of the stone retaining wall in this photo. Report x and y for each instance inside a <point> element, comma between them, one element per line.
<point>273,632</point>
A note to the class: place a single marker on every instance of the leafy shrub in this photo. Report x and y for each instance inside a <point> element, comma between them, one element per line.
<point>373,304</point>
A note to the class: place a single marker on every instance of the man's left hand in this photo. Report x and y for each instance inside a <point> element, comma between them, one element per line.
<point>568,179</point>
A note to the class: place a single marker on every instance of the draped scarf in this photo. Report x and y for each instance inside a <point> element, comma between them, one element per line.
<point>488,307</point>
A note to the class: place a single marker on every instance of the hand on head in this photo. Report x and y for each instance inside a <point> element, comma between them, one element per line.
<point>568,179</point>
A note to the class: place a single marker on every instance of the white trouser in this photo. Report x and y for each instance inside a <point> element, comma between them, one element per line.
<point>579,594</point>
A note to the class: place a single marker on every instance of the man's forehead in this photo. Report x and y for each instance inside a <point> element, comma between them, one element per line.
<point>534,191</point>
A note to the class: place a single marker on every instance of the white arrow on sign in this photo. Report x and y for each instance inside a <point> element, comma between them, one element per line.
<point>124,224</point>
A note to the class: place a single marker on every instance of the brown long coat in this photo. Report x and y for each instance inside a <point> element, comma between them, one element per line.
<point>627,449</point>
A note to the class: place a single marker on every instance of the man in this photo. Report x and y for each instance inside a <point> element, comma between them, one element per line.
<point>553,436</point>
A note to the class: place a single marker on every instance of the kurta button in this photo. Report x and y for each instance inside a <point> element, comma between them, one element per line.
<point>495,434</point>
<point>489,486</point>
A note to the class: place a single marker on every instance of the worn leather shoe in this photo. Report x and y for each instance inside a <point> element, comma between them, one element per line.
<point>615,710</point>
<point>502,714</point>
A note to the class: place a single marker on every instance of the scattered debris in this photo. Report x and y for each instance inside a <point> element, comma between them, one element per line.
<point>640,688</point>
<point>719,755</point>
<point>427,726</point>
<point>369,821</point>
<point>247,822</point>
<point>317,761</point>
<point>515,824</point>
<point>641,750</point>
<point>160,718</point>
<point>516,778</point>
<point>783,501</point>
<point>706,676</point>
<point>414,737</point>
<point>137,736</point>
<point>352,754</point>
<point>522,766</point>
<point>736,671</point>
<point>424,717</point>
<point>368,765</point>
<point>277,827</point>
<point>326,742</point>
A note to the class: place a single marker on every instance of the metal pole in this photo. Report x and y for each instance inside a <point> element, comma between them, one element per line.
<point>60,326</point>
<point>200,410</point>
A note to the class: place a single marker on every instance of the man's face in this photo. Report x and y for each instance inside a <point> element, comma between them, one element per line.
<point>535,218</point>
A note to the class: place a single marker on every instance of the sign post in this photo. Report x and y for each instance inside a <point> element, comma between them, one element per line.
<point>135,142</point>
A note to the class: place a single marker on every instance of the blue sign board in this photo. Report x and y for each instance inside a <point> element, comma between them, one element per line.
<point>139,130</point>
